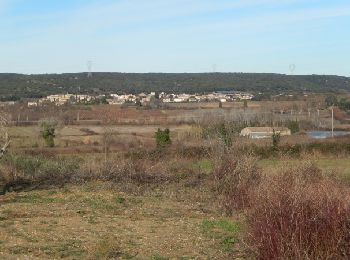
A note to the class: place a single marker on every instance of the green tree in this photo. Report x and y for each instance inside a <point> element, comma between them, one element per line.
<point>276,138</point>
<point>293,126</point>
<point>163,137</point>
<point>48,131</point>
<point>331,100</point>
<point>225,134</point>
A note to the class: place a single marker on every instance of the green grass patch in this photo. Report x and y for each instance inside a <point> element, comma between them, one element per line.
<point>19,250</point>
<point>223,230</point>
<point>158,257</point>
<point>225,225</point>
<point>186,258</point>
<point>120,200</point>
<point>204,165</point>
<point>102,204</point>
<point>6,218</point>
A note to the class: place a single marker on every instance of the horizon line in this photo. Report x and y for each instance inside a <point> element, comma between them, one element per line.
<point>208,72</point>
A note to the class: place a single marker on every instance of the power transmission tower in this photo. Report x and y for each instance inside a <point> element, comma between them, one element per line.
<point>89,65</point>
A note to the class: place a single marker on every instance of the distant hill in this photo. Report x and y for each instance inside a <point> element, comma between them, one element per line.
<point>16,86</point>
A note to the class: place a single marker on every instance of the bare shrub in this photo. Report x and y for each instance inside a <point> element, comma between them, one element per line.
<point>19,172</point>
<point>300,214</point>
<point>194,133</point>
<point>4,136</point>
<point>234,177</point>
<point>190,152</point>
<point>121,170</point>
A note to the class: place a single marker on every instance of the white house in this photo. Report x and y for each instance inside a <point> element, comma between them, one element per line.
<point>264,132</point>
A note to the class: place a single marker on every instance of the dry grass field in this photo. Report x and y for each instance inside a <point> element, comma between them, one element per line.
<point>90,137</point>
<point>98,221</point>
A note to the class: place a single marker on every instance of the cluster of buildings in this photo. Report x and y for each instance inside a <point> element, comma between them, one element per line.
<point>224,96</point>
<point>141,99</point>
<point>60,99</point>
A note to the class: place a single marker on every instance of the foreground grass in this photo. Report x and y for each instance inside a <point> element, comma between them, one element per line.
<point>181,219</point>
<point>96,221</point>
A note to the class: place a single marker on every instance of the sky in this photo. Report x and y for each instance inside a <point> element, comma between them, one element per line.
<point>265,36</point>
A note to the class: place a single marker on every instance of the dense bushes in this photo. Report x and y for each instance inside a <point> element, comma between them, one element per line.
<point>300,214</point>
<point>234,178</point>
<point>22,172</point>
<point>297,150</point>
<point>335,148</point>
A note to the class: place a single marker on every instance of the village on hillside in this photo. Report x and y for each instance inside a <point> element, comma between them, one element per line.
<point>138,99</point>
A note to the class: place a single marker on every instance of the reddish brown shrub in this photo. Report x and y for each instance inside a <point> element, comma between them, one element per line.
<point>300,214</point>
<point>234,177</point>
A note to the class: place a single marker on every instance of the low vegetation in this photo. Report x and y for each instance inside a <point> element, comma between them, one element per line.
<point>21,172</point>
<point>202,193</point>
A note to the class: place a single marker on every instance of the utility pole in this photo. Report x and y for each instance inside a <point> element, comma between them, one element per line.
<point>332,121</point>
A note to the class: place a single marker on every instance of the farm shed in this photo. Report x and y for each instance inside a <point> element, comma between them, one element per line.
<point>264,132</point>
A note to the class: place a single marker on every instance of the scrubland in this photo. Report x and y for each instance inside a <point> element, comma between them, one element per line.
<point>208,195</point>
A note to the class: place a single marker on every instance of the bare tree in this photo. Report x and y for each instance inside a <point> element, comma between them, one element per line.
<point>4,137</point>
<point>107,138</point>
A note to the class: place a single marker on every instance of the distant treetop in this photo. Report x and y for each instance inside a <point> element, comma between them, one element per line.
<point>16,86</point>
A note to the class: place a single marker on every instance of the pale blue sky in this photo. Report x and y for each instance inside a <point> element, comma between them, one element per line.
<point>55,36</point>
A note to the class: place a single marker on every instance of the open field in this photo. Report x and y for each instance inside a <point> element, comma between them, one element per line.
<point>176,113</point>
<point>99,222</point>
<point>90,136</point>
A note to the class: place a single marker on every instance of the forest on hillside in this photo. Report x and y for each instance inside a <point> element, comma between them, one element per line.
<point>17,86</point>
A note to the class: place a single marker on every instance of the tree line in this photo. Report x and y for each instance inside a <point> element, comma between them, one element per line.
<point>17,86</point>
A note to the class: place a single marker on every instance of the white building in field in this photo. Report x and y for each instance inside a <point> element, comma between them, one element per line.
<point>264,132</point>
